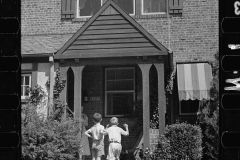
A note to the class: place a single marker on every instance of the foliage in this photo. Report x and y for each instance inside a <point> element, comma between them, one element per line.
<point>162,151</point>
<point>208,118</point>
<point>154,109</point>
<point>154,112</point>
<point>185,140</point>
<point>180,141</point>
<point>51,138</point>
<point>170,81</point>
<point>210,125</point>
<point>59,110</point>
<point>59,84</point>
<point>163,148</point>
<point>37,95</point>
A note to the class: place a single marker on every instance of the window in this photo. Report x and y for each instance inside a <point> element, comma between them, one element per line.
<point>153,7</point>
<point>25,83</point>
<point>119,91</point>
<point>189,107</point>
<point>127,5</point>
<point>87,8</point>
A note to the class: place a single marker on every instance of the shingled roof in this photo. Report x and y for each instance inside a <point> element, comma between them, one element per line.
<point>35,45</point>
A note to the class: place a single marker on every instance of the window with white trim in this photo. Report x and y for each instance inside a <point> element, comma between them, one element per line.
<point>87,8</point>
<point>119,91</point>
<point>188,107</point>
<point>127,5</point>
<point>25,84</point>
<point>153,7</point>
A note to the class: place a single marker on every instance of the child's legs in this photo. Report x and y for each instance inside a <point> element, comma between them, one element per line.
<point>114,151</point>
<point>117,152</point>
<point>98,158</point>
<point>100,153</point>
<point>94,155</point>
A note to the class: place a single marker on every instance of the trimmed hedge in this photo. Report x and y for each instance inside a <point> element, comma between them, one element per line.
<point>185,141</point>
<point>180,141</point>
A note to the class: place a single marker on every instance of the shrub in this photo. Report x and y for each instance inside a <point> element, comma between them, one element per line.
<point>59,84</point>
<point>54,138</point>
<point>162,150</point>
<point>180,141</point>
<point>185,140</point>
<point>37,95</point>
<point>208,117</point>
<point>48,139</point>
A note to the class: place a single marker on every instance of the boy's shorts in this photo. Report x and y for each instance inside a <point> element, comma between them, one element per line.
<point>114,151</point>
<point>98,149</point>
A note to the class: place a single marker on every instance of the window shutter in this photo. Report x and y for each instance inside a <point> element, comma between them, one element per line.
<point>68,9</point>
<point>175,6</point>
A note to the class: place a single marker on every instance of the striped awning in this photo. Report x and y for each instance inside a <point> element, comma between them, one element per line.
<point>194,81</point>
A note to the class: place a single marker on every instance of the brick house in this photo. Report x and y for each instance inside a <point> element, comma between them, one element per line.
<point>108,51</point>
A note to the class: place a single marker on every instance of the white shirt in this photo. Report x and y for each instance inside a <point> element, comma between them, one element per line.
<point>115,132</point>
<point>97,131</point>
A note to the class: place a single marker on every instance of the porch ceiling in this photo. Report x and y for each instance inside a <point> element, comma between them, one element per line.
<point>111,33</point>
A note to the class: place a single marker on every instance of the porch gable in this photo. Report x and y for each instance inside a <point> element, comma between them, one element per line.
<point>111,33</point>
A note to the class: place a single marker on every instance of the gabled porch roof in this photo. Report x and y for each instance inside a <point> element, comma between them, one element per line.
<point>111,33</point>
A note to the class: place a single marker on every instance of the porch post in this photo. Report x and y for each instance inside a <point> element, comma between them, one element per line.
<point>146,104</point>
<point>161,97</point>
<point>51,83</point>
<point>77,70</point>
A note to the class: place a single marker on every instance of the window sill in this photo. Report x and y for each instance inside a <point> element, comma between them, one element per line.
<point>147,16</point>
<point>84,19</point>
<point>134,16</point>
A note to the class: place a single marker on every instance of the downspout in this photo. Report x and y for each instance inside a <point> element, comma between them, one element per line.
<point>169,27</point>
<point>51,62</point>
<point>170,61</point>
<point>170,52</point>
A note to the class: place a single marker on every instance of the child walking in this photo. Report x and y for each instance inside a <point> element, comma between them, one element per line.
<point>97,136</point>
<point>114,133</point>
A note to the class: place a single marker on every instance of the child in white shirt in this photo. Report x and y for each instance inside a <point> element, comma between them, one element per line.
<point>114,133</point>
<point>97,136</point>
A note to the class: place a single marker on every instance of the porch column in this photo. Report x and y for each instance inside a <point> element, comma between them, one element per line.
<point>161,97</point>
<point>146,104</point>
<point>51,83</point>
<point>63,74</point>
<point>77,70</point>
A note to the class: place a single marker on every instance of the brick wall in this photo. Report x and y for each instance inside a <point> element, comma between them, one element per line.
<point>193,36</point>
<point>154,136</point>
